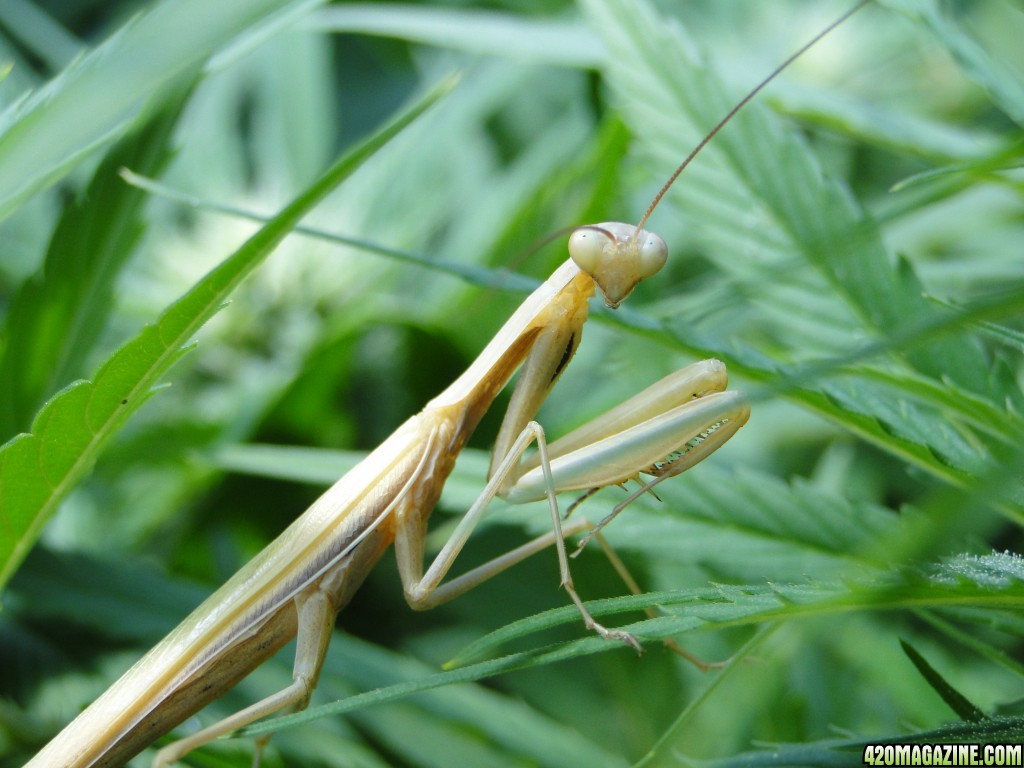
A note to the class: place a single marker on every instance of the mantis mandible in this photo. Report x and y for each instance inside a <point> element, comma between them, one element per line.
<point>298,584</point>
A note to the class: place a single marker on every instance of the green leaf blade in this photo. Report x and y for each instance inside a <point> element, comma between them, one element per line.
<point>43,136</point>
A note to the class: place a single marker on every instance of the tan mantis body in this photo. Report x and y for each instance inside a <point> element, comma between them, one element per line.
<point>300,582</point>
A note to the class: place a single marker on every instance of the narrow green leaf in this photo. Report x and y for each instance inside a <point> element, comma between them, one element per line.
<point>959,703</point>
<point>995,581</point>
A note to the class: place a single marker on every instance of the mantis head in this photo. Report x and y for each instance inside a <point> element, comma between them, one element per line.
<point>617,256</point>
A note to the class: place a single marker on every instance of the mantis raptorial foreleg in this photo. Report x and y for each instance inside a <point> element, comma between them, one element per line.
<point>424,591</point>
<point>627,440</point>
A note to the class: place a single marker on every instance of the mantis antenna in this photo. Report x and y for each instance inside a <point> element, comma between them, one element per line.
<point>621,255</point>
<point>740,105</point>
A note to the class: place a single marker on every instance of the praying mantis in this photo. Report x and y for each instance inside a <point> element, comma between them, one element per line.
<point>299,583</point>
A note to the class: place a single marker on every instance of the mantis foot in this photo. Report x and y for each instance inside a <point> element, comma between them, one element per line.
<point>600,629</point>
<point>617,634</point>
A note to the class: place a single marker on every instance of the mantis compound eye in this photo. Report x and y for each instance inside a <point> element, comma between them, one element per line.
<point>653,255</point>
<point>586,248</point>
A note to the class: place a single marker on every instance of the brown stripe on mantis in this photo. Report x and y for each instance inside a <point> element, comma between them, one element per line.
<point>297,585</point>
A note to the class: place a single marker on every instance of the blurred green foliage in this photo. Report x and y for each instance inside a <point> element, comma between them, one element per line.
<point>849,245</point>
